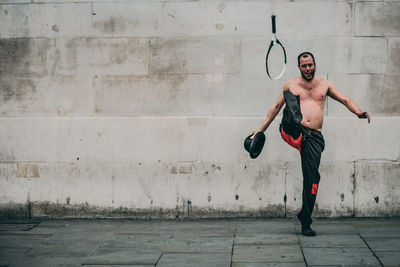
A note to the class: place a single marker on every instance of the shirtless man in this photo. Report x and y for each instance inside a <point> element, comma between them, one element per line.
<point>306,136</point>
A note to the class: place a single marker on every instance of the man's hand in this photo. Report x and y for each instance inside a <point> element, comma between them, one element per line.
<point>364,115</point>
<point>254,133</point>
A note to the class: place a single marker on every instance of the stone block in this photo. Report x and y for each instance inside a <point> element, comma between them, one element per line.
<point>199,245</point>
<point>28,170</point>
<point>102,56</point>
<point>89,139</point>
<point>25,56</point>
<point>14,21</point>
<point>376,93</point>
<point>394,60</point>
<point>195,95</point>
<point>336,189</point>
<point>376,188</point>
<point>332,241</point>
<point>198,18</point>
<point>146,95</point>
<point>329,18</point>
<point>332,55</point>
<point>46,20</point>
<point>273,227</point>
<point>126,19</point>
<point>185,167</point>
<point>262,238</point>
<point>383,243</point>
<point>57,95</point>
<point>335,193</point>
<point>340,256</point>
<point>195,55</point>
<point>294,187</point>
<point>200,260</point>
<point>352,139</point>
<point>33,139</point>
<point>15,1</point>
<point>61,19</point>
<point>388,258</point>
<point>211,19</point>
<point>332,228</point>
<point>267,253</point>
<point>377,19</point>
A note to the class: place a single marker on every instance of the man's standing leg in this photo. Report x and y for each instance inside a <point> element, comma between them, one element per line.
<point>311,149</point>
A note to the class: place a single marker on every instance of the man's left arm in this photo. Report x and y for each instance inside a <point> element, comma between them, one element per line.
<point>334,93</point>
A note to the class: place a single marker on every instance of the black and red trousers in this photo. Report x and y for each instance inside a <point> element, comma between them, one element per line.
<point>310,143</point>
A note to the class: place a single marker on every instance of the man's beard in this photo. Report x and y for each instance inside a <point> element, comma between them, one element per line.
<point>308,79</point>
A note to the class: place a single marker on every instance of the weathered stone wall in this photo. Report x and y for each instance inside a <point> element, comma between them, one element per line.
<point>140,108</point>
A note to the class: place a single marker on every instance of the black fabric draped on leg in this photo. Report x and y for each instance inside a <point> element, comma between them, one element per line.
<point>312,146</point>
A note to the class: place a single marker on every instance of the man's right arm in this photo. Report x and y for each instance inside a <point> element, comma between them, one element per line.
<point>273,111</point>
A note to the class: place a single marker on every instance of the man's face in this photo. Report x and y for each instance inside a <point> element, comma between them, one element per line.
<point>307,68</point>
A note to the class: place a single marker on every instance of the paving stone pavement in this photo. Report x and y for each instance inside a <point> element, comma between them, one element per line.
<point>225,242</point>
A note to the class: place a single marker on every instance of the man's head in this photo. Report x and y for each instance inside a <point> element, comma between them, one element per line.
<point>306,64</point>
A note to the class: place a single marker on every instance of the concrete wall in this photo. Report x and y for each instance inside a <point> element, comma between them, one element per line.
<point>140,108</point>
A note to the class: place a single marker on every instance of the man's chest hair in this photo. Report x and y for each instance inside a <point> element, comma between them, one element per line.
<point>316,90</point>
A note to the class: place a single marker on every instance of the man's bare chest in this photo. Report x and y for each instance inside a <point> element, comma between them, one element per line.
<point>315,91</point>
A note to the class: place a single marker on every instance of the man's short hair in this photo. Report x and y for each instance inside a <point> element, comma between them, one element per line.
<point>304,54</point>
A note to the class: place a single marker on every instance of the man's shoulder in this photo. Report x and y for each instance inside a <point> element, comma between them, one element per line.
<point>322,79</point>
<point>292,80</point>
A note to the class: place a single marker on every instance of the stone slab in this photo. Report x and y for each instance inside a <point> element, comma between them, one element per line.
<point>332,241</point>
<point>25,240</point>
<point>266,264</point>
<point>267,253</point>
<point>9,254</point>
<point>375,196</point>
<point>38,261</point>
<point>186,55</point>
<point>378,228</point>
<point>374,93</point>
<point>102,56</point>
<point>340,55</point>
<point>358,133</point>
<point>58,96</point>
<point>334,174</point>
<point>179,18</point>
<point>394,61</point>
<point>273,226</point>
<point>336,189</point>
<point>377,19</point>
<point>126,19</point>
<point>118,265</point>
<point>328,227</point>
<point>203,232</point>
<point>76,146</point>
<point>15,227</point>
<point>389,258</point>
<point>200,260</point>
<point>252,238</point>
<point>132,249</point>
<point>383,243</point>
<point>148,228</point>
<point>15,1</point>
<point>24,58</point>
<point>340,256</point>
<point>200,245</point>
<point>44,20</point>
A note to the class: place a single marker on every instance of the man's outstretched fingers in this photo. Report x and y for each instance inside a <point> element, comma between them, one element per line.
<point>365,115</point>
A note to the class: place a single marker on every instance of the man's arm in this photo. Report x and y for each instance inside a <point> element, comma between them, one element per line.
<point>273,111</point>
<point>340,97</point>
